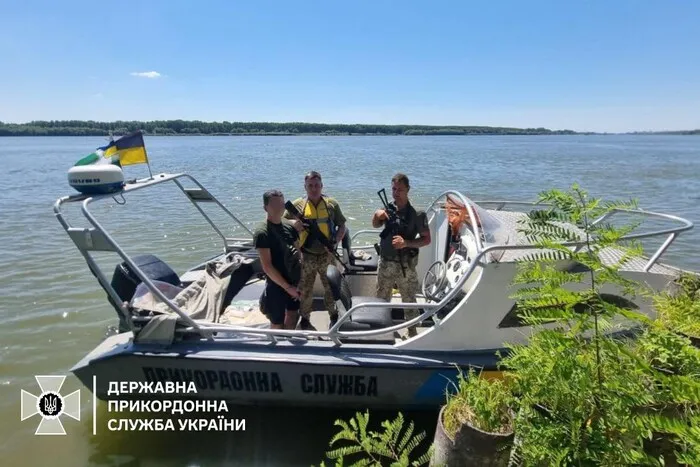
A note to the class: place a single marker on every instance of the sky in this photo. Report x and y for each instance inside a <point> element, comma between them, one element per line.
<point>583,65</point>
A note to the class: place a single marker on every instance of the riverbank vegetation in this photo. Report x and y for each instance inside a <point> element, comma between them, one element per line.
<point>578,393</point>
<point>197,127</point>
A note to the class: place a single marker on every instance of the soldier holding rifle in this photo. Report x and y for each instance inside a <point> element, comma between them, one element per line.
<point>405,231</point>
<point>318,243</point>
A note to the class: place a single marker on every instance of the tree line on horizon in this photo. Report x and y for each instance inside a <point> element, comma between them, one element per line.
<point>197,127</point>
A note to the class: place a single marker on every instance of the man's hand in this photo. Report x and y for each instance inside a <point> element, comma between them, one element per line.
<point>379,217</point>
<point>293,292</point>
<point>398,242</point>
<point>298,225</point>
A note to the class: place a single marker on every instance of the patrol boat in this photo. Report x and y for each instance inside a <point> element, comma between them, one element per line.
<point>202,328</point>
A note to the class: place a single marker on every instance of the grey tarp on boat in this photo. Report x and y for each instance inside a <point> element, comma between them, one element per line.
<point>201,300</point>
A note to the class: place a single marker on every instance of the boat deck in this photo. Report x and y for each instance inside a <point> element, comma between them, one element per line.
<point>610,256</point>
<point>250,315</point>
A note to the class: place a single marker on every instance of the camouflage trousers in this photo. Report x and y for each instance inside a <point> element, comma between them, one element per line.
<point>311,266</point>
<point>390,274</point>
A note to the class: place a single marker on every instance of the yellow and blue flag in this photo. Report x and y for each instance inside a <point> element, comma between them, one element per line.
<point>130,148</point>
<point>127,150</point>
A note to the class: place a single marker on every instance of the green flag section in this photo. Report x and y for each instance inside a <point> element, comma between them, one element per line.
<point>97,158</point>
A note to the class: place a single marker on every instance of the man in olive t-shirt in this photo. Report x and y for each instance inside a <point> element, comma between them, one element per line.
<point>277,244</point>
<point>400,268</point>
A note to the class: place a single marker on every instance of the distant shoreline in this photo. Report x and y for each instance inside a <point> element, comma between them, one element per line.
<point>654,133</point>
<point>199,128</point>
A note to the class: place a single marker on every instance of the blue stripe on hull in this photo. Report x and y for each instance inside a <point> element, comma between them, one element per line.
<point>437,386</point>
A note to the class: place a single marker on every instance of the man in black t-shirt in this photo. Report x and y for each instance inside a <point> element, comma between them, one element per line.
<point>277,243</point>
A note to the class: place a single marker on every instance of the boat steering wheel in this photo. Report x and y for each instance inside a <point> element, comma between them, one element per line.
<point>434,281</point>
<point>441,278</point>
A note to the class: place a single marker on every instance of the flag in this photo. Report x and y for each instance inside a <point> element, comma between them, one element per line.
<point>129,148</point>
<point>98,158</point>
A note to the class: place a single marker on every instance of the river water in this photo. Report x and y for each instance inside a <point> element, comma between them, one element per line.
<point>53,312</point>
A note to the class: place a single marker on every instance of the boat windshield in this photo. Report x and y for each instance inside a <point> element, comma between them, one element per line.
<point>493,232</point>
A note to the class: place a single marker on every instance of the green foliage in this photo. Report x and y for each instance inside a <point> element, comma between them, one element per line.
<point>567,417</point>
<point>188,127</point>
<point>680,311</point>
<point>584,397</point>
<point>393,446</point>
<point>483,403</point>
<point>580,395</point>
<point>668,352</point>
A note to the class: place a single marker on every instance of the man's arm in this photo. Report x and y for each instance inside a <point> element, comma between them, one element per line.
<point>262,242</point>
<point>378,218</point>
<point>339,220</point>
<point>422,240</point>
<point>271,271</point>
<point>423,235</point>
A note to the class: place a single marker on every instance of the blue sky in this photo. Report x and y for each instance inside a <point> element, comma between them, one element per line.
<point>594,65</point>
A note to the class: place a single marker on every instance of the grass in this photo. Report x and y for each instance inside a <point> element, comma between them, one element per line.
<point>483,403</point>
<point>680,311</point>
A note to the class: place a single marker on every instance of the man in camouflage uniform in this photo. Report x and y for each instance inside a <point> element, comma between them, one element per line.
<point>413,234</point>
<point>325,211</point>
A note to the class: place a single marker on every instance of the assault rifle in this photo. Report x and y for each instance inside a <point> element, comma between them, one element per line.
<point>314,231</point>
<point>393,224</point>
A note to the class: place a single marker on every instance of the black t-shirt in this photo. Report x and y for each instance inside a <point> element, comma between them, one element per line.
<point>280,238</point>
<point>412,224</point>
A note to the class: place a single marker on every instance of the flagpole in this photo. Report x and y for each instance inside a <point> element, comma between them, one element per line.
<point>148,163</point>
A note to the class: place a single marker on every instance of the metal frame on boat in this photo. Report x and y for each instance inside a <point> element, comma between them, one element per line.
<point>461,333</point>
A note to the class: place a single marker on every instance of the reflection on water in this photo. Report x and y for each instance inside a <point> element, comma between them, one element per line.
<point>53,312</point>
<point>273,436</point>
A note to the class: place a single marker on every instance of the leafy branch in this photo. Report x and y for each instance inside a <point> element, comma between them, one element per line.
<point>392,446</point>
<point>585,397</point>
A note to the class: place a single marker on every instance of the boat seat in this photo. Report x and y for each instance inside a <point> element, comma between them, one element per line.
<point>363,265</point>
<point>124,280</point>
<point>362,318</point>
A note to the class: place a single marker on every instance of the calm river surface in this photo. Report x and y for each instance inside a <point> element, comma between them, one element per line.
<point>52,311</point>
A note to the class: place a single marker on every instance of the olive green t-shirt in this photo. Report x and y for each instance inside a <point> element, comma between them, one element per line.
<point>413,223</point>
<point>334,213</point>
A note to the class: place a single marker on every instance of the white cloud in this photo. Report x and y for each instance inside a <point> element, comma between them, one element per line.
<point>146,74</point>
<point>99,95</point>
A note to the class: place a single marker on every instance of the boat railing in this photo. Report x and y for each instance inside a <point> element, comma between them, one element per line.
<point>98,239</point>
<point>362,233</point>
<point>672,232</point>
<point>335,334</point>
<point>430,309</point>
